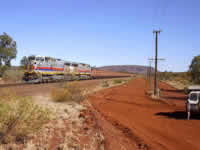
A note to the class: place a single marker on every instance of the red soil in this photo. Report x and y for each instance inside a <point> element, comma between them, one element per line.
<point>99,72</point>
<point>144,123</point>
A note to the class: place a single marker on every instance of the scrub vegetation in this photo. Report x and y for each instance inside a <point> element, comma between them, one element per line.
<point>105,84</point>
<point>70,92</point>
<point>189,77</point>
<point>19,117</point>
<point>117,81</point>
<point>182,77</point>
<point>14,75</point>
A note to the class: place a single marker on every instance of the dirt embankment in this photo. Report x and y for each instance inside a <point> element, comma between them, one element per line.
<point>73,125</point>
<point>144,123</point>
<point>122,118</point>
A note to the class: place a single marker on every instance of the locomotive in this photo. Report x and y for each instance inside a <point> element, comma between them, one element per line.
<point>40,69</point>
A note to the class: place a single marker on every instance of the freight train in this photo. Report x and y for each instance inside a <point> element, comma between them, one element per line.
<point>41,69</point>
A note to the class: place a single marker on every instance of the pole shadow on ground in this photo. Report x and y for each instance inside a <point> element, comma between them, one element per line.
<point>180,98</point>
<point>172,90</point>
<point>178,115</point>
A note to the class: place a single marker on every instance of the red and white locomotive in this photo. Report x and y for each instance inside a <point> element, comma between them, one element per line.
<point>44,69</point>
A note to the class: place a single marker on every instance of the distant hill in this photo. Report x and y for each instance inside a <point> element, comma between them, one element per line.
<point>127,68</point>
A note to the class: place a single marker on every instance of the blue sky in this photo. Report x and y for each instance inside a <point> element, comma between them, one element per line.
<point>105,32</point>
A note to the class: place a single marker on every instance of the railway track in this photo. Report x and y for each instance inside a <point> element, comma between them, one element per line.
<point>93,78</point>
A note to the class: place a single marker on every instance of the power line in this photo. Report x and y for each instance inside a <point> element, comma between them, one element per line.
<point>152,59</point>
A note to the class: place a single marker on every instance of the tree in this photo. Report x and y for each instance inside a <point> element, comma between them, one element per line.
<point>195,69</point>
<point>24,61</point>
<point>8,49</point>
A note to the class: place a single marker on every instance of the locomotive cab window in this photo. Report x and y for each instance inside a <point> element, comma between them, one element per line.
<point>67,64</point>
<point>47,59</point>
<point>75,65</point>
<point>39,59</point>
<point>31,58</point>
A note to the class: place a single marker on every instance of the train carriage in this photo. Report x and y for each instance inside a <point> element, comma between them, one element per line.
<point>84,70</point>
<point>44,69</point>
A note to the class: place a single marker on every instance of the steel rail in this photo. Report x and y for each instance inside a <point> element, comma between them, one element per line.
<point>93,78</point>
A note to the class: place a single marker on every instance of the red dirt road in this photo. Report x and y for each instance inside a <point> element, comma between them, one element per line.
<point>146,123</point>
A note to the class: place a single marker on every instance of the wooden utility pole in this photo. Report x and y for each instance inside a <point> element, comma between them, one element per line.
<point>156,60</point>
<point>151,60</point>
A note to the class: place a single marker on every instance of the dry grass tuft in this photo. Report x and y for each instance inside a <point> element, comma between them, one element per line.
<point>117,81</point>
<point>105,84</point>
<point>70,92</point>
<point>19,117</point>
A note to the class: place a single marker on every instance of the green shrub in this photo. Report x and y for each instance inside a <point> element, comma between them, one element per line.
<point>105,84</point>
<point>117,81</point>
<point>13,75</point>
<point>19,117</point>
<point>70,92</point>
<point>2,70</point>
<point>182,77</point>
